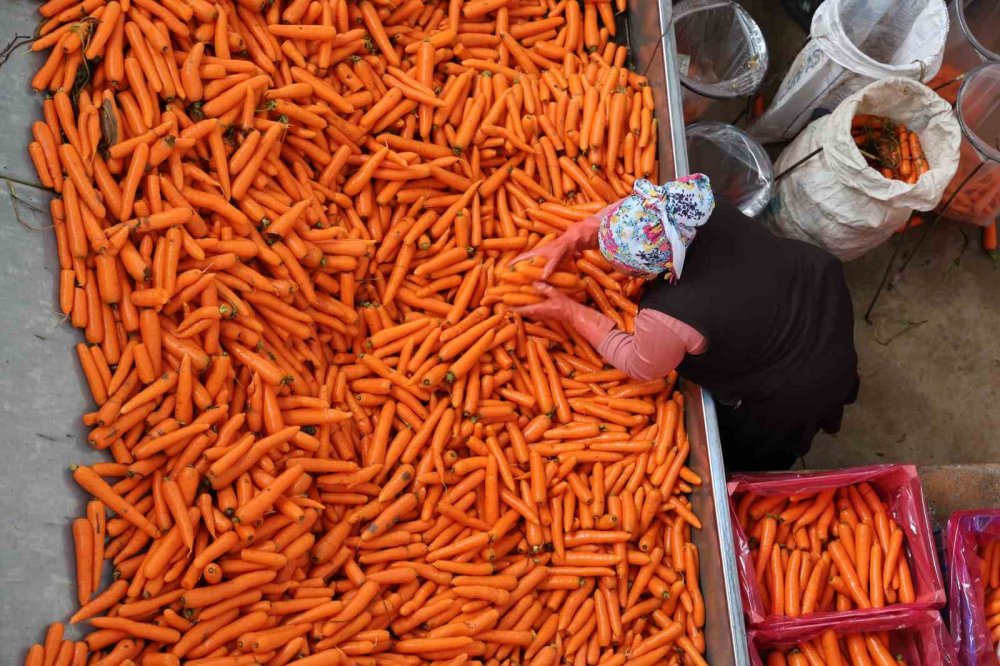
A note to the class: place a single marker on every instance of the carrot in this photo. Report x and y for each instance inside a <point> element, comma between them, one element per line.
<point>890,148</point>
<point>905,167</point>
<point>892,554</point>
<point>83,537</point>
<point>769,527</point>
<point>857,550</point>
<point>776,576</point>
<point>96,486</point>
<point>377,30</point>
<point>137,629</point>
<point>831,649</point>
<point>361,178</point>
<point>793,594</point>
<point>907,592</point>
<point>862,554</point>
<point>817,578</point>
<point>864,649</point>
<point>103,601</point>
<point>178,509</point>
<point>850,574</point>
<point>73,164</point>
<point>990,237</point>
<point>257,506</point>
<point>479,8</point>
<point>823,499</point>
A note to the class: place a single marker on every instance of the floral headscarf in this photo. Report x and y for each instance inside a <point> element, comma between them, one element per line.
<point>648,232</point>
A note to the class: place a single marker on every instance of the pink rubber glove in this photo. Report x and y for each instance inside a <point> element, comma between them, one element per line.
<point>581,235</point>
<point>589,323</point>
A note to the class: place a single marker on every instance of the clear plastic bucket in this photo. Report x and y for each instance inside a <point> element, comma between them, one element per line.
<point>978,176</point>
<point>721,53</point>
<point>973,38</point>
<point>740,170</point>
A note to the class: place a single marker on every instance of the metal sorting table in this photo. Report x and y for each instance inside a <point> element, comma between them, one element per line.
<point>653,51</point>
<point>43,393</point>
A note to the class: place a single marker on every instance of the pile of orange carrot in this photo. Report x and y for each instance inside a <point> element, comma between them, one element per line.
<point>281,227</point>
<point>990,555</point>
<point>859,649</point>
<point>890,148</point>
<point>834,550</point>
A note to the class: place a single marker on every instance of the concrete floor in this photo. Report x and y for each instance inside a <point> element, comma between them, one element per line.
<point>929,363</point>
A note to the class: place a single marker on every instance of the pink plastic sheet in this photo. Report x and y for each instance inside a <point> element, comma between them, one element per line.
<point>967,531</point>
<point>899,488</point>
<point>919,637</point>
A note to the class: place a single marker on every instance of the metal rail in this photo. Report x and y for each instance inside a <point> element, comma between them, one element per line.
<point>650,36</point>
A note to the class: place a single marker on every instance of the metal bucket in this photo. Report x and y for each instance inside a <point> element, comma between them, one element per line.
<point>976,185</point>
<point>651,42</point>
<point>973,38</point>
<point>721,53</point>
<point>740,170</point>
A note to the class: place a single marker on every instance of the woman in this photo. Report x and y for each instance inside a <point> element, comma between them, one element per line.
<point>765,323</point>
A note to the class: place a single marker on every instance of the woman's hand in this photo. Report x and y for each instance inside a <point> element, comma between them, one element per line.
<point>579,236</point>
<point>557,306</point>
<point>552,252</point>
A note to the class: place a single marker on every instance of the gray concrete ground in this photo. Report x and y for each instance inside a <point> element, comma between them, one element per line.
<point>930,362</point>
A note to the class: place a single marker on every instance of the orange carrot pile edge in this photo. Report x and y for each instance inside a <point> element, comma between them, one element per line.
<point>281,229</point>
<point>834,550</point>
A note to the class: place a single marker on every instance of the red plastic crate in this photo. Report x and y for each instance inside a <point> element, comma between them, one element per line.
<point>899,488</point>
<point>967,531</point>
<point>919,637</point>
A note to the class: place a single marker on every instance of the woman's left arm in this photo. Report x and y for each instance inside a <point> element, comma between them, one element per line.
<point>657,346</point>
<point>650,353</point>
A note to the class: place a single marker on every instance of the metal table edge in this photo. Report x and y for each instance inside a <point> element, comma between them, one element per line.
<point>673,155</point>
<point>675,110</point>
<point>724,527</point>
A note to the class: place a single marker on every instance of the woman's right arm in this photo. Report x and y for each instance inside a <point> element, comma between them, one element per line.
<point>580,236</point>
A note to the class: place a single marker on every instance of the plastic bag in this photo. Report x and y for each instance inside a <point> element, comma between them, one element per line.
<point>721,53</point>
<point>978,107</point>
<point>966,531</point>
<point>919,637</point>
<point>740,170</point>
<point>899,488</point>
<point>855,42</point>
<point>834,199</point>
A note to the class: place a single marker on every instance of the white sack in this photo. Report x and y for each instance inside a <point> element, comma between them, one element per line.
<point>855,42</point>
<point>835,200</point>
